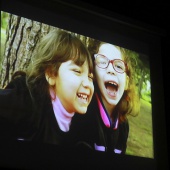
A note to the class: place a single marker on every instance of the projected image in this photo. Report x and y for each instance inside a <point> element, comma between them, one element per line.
<point>63,88</point>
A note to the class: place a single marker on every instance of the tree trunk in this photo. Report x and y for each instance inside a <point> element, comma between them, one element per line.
<point>22,37</point>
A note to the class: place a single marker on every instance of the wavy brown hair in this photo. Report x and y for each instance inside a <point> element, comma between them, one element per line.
<point>56,47</point>
<point>129,104</point>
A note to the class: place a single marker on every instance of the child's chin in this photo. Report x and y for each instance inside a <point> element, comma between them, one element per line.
<point>82,111</point>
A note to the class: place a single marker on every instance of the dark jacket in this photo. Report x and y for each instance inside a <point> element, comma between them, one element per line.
<point>25,116</point>
<point>94,131</point>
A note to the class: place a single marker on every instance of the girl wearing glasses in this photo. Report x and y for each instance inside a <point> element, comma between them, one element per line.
<point>40,104</point>
<point>114,99</point>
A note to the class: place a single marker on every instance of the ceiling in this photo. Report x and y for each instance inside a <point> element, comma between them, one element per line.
<point>151,13</point>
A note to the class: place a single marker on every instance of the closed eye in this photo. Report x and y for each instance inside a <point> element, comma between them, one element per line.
<point>77,71</point>
<point>119,66</point>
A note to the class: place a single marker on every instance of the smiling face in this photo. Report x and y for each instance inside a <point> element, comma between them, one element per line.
<point>74,86</point>
<point>111,83</point>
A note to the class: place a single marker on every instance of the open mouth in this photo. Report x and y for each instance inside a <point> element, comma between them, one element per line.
<point>83,97</point>
<point>112,88</point>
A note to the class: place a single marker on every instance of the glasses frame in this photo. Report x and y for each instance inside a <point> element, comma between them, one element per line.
<point>110,61</point>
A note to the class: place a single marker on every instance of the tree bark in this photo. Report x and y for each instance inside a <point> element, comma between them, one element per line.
<point>22,37</point>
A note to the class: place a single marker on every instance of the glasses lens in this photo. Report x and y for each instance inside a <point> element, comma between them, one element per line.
<point>119,66</point>
<point>101,61</point>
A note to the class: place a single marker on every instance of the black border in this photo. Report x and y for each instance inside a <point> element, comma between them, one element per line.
<point>108,27</point>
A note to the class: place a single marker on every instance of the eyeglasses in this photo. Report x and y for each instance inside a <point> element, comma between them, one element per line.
<point>103,62</point>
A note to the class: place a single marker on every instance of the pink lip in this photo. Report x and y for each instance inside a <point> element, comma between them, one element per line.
<point>84,93</point>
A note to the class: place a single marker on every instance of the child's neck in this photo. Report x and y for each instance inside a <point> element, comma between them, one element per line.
<point>62,116</point>
<point>108,107</point>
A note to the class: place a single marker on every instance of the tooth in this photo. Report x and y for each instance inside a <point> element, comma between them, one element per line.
<point>112,83</point>
<point>83,96</point>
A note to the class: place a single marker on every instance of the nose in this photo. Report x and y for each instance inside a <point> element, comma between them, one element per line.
<point>86,82</point>
<point>110,69</point>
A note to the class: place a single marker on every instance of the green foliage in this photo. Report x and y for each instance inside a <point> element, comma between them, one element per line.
<point>4,19</point>
<point>146,97</point>
<point>146,91</point>
<point>4,22</point>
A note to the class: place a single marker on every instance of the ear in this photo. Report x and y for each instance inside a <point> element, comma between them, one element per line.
<point>127,82</point>
<point>50,79</point>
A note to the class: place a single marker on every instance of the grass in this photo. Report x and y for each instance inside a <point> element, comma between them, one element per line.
<point>140,141</point>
